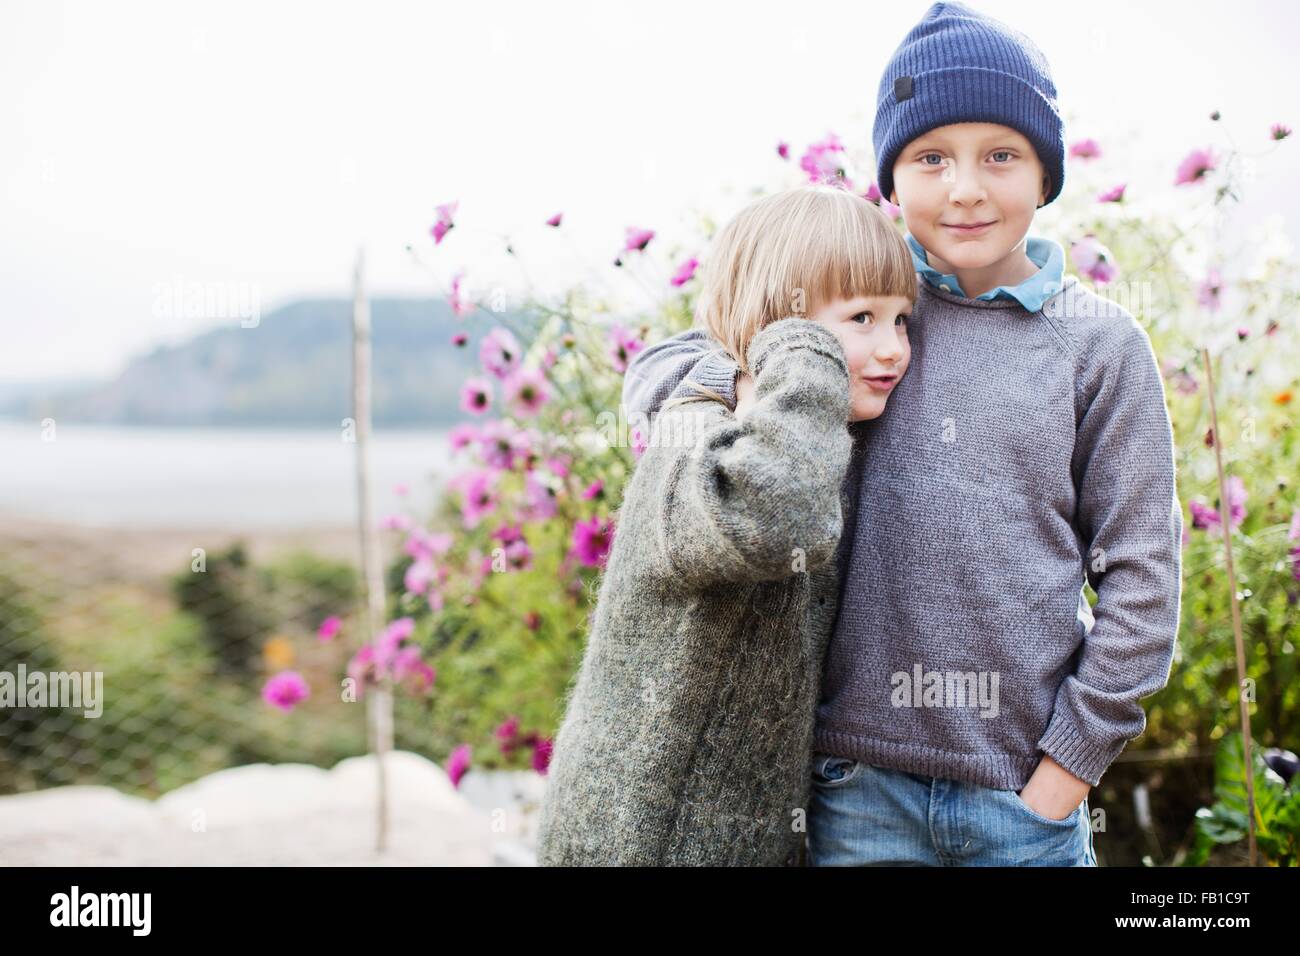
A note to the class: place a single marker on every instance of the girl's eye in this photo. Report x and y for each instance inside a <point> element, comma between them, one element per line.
<point>860,315</point>
<point>902,319</point>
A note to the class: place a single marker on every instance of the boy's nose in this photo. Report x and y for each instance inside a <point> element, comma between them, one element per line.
<point>965,185</point>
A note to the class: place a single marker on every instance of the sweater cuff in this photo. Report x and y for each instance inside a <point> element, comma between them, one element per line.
<point>1084,758</point>
<point>793,332</point>
<point>717,370</point>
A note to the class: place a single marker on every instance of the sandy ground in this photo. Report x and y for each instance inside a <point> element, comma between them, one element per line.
<point>283,815</point>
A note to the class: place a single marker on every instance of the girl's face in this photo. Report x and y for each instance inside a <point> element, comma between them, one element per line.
<point>873,331</point>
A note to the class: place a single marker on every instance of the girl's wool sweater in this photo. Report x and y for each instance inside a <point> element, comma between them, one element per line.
<point>687,738</point>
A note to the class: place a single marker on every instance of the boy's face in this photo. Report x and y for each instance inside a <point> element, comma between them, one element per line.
<point>981,174</point>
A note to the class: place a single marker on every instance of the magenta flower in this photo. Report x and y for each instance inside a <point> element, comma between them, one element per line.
<point>783,149</point>
<point>555,220</point>
<point>1094,259</point>
<point>1294,535</point>
<point>685,272</point>
<point>412,672</point>
<point>826,162</point>
<point>427,544</point>
<point>592,540</point>
<point>1195,165</point>
<point>479,496</point>
<point>502,446</point>
<point>500,353</point>
<point>1279,131</point>
<point>476,396</point>
<point>1208,519</point>
<point>457,764</point>
<point>593,490</point>
<point>329,628</point>
<point>459,339</point>
<point>446,213</point>
<point>623,345</point>
<point>507,734</point>
<point>460,304</point>
<point>526,392</point>
<point>637,239</point>
<point>395,522</point>
<point>1115,194</point>
<point>540,498</point>
<point>1085,149</point>
<point>542,754</point>
<point>285,690</point>
<point>462,435</point>
<point>1210,289</point>
<point>419,576</point>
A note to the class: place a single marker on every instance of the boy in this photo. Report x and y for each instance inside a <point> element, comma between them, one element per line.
<point>971,697</point>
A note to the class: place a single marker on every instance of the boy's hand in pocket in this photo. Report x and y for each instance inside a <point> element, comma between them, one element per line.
<point>1053,791</point>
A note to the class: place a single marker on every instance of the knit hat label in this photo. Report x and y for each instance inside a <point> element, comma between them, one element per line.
<point>902,88</point>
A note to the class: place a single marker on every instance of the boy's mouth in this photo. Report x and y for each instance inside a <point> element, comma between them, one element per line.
<point>967,229</point>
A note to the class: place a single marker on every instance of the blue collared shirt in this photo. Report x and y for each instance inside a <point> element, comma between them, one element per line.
<point>1032,293</point>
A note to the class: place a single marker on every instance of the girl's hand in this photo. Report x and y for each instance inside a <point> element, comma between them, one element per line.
<point>744,393</point>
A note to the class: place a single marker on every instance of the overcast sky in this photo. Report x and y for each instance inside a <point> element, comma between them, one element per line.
<point>256,145</point>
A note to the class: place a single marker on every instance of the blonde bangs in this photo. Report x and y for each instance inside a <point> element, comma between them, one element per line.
<point>791,253</point>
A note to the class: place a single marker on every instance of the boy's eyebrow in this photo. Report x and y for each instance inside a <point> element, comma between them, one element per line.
<point>931,140</point>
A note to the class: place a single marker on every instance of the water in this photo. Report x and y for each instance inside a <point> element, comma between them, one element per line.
<point>146,478</point>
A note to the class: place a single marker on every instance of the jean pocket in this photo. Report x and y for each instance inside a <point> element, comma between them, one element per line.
<point>1029,811</point>
<point>829,770</point>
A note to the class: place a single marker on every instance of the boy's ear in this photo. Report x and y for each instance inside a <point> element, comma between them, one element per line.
<point>893,196</point>
<point>1047,185</point>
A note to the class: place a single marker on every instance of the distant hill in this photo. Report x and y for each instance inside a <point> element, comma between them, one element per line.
<point>293,369</point>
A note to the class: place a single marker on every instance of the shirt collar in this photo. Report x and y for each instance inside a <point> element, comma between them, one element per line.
<point>1031,293</point>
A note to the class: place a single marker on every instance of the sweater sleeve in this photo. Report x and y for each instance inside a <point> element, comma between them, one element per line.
<point>745,499</point>
<point>1131,523</point>
<point>658,373</point>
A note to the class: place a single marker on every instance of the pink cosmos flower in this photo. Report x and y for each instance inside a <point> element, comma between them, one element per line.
<point>1195,165</point>
<point>1209,291</point>
<point>826,162</point>
<point>539,498</point>
<point>555,220</point>
<point>623,345</point>
<point>685,272</point>
<point>476,396</point>
<point>427,544</point>
<point>592,540</point>
<point>783,149</point>
<point>1115,194</point>
<point>395,522</point>
<point>526,392</point>
<point>479,497</point>
<point>412,672</point>
<point>1094,259</point>
<point>593,490</point>
<point>500,353</point>
<point>542,754</point>
<point>461,306</point>
<point>1085,149</point>
<point>329,628</point>
<point>446,214</point>
<point>285,690</point>
<point>419,576</point>
<point>462,435</point>
<point>459,339</point>
<point>1279,131</point>
<point>457,764</point>
<point>1208,519</point>
<point>503,446</point>
<point>637,239</point>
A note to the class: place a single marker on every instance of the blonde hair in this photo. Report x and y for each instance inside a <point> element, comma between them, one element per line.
<point>790,254</point>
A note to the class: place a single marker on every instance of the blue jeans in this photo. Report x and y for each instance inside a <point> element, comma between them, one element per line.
<point>864,815</point>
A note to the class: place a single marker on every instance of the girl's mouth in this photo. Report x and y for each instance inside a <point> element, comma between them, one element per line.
<point>882,383</point>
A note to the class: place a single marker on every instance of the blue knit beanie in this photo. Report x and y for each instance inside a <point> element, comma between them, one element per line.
<point>959,66</point>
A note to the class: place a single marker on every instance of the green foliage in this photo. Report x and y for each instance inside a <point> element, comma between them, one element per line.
<point>1277,809</point>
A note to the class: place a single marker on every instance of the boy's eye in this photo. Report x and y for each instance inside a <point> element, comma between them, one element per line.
<point>935,156</point>
<point>1004,152</point>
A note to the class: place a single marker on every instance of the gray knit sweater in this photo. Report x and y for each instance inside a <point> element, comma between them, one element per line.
<point>1020,452</point>
<point>687,736</point>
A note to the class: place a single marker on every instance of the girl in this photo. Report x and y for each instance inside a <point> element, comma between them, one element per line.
<point>688,731</point>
